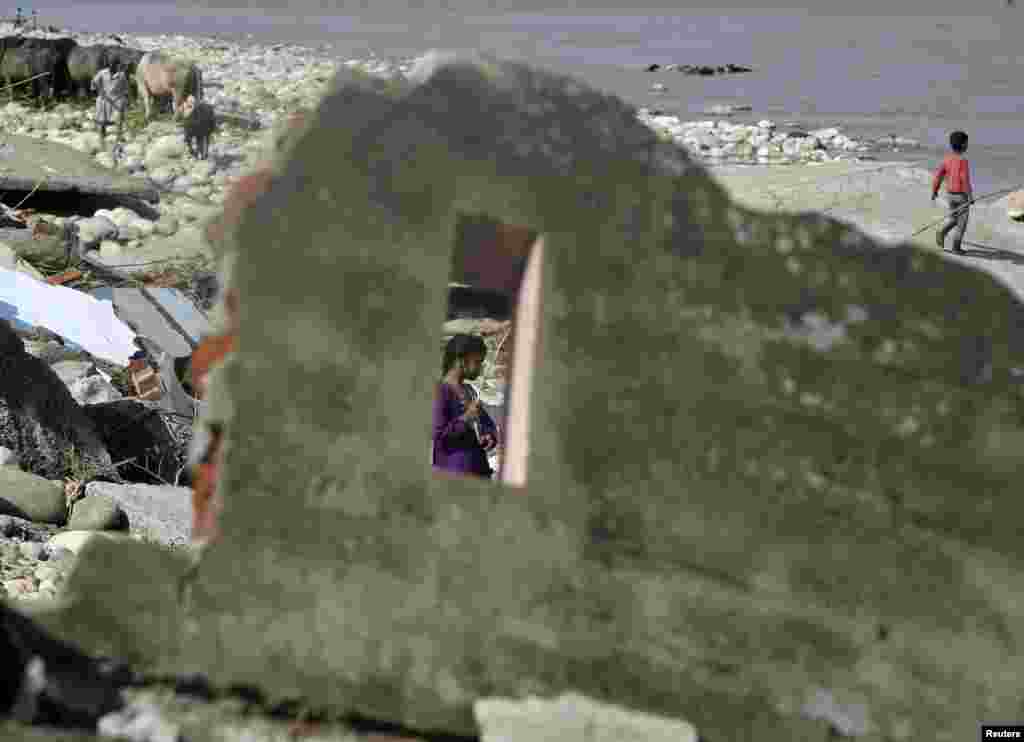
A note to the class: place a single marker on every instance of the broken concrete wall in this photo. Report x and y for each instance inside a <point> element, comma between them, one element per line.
<point>770,462</point>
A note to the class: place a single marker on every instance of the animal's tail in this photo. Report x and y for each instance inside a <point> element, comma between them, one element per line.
<point>198,82</point>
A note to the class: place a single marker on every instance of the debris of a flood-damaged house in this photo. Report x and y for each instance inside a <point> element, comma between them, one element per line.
<point>77,316</point>
<point>171,328</point>
<point>57,173</point>
<point>720,515</point>
<point>146,441</point>
<point>141,431</point>
<point>39,419</point>
<point>162,315</point>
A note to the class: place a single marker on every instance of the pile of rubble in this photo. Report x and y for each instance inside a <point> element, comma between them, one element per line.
<point>718,141</point>
<point>96,418</point>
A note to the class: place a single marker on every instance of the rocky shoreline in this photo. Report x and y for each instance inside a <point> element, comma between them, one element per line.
<point>261,84</point>
<point>254,86</point>
<point>715,142</point>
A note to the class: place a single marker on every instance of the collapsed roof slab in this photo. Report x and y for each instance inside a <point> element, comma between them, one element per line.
<point>27,162</point>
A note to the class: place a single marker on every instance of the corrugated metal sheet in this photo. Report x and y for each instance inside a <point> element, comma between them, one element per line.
<point>165,316</point>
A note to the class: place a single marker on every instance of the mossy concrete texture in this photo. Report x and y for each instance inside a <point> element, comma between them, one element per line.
<point>766,455</point>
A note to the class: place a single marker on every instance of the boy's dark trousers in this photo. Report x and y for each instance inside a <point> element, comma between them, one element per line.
<point>957,221</point>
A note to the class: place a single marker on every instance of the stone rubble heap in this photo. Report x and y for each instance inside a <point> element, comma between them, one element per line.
<point>30,566</point>
<point>716,141</point>
<point>45,520</point>
<point>260,83</point>
<point>36,556</point>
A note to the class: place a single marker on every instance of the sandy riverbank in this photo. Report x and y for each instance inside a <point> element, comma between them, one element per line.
<point>263,82</point>
<point>766,165</point>
<point>890,202</point>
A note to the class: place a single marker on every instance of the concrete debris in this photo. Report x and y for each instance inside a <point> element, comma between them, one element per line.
<point>163,315</point>
<point>72,314</point>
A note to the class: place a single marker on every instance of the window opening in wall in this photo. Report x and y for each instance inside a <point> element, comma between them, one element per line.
<point>475,359</point>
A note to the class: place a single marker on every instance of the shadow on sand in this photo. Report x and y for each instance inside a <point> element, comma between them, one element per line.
<point>990,253</point>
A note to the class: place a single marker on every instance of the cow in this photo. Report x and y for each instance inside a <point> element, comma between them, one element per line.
<point>129,61</point>
<point>129,57</point>
<point>159,75</point>
<point>40,63</point>
<point>199,124</point>
<point>83,64</point>
<point>59,75</point>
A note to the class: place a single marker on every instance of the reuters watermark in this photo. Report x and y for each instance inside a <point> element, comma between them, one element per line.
<point>1002,731</point>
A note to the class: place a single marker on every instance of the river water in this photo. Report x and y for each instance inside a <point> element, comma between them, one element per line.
<point>911,68</point>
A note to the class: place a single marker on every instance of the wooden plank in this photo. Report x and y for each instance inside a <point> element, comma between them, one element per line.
<point>64,277</point>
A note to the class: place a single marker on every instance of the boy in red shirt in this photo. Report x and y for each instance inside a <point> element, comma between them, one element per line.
<point>957,172</point>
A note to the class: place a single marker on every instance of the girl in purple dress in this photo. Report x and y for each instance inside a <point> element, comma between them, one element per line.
<point>463,432</point>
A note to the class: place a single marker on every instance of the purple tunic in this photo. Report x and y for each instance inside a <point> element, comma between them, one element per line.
<point>456,447</point>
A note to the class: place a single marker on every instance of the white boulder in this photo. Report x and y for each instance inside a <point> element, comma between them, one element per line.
<point>88,142</point>
<point>95,228</point>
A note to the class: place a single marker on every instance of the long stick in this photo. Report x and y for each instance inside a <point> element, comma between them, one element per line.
<point>965,206</point>
<point>16,84</point>
<point>29,194</point>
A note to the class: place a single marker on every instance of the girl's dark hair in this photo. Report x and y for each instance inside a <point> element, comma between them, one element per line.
<point>461,346</point>
<point>958,141</point>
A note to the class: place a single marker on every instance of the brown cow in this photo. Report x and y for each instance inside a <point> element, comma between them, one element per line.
<point>158,75</point>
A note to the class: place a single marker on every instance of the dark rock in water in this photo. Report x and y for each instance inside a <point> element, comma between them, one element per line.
<point>701,69</point>
<point>708,70</point>
<point>726,109</point>
<point>797,134</point>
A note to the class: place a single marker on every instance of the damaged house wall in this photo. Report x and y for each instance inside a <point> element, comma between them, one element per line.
<point>771,462</point>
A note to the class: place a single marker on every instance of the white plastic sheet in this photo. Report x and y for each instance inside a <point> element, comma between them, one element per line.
<point>74,315</point>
